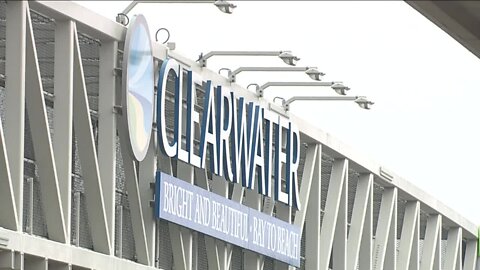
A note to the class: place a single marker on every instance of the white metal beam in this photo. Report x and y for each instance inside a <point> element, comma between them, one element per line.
<point>340,236</point>
<point>365,262</point>
<point>107,131</point>
<point>42,143</point>
<point>453,258</point>
<point>136,212</point>
<point>363,197</point>
<point>8,213</point>
<point>314,213</point>
<point>80,258</point>
<point>391,250</point>
<point>311,167</point>
<point>335,199</point>
<point>146,178</point>
<point>470,255</point>
<point>410,229</point>
<point>89,22</point>
<point>386,220</point>
<point>310,175</point>
<point>88,157</point>
<point>63,115</point>
<point>431,243</point>
<point>15,100</point>
<point>415,254</point>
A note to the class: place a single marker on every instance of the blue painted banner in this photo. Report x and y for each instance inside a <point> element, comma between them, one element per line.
<point>195,208</point>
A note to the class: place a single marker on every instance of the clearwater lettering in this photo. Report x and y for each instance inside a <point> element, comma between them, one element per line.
<point>243,140</point>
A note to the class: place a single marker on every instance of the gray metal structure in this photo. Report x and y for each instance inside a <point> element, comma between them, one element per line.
<point>71,197</point>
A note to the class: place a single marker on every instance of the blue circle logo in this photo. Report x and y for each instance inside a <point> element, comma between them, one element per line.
<point>138,86</point>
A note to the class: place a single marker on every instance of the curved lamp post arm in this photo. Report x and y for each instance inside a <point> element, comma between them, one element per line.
<point>360,100</point>
<point>286,56</point>
<point>233,74</point>
<point>134,3</point>
<point>337,86</point>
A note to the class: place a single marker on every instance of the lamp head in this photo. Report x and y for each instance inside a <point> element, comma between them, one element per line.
<point>314,74</point>
<point>289,58</point>
<point>224,6</point>
<point>340,88</point>
<point>364,103</point>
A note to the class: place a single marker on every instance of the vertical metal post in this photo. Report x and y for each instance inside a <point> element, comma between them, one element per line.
<point>120,232</point>
<point>15,97</point>
<point>360,208</point>
<point>62,121</point>
<point>340,238</point>
<point>313,217</point>
<point>88,157</point>
<point>19,261</point>
<point>332,206</point>
<point>146,177</point>
<point>391,249</point>
<point>107,131</point>
<point>365,261</point>
<point>386,230</point>
<point>470,255</point>
<point>195,251</point>
<point>30,182</point>
<point>409,232</point>
<point>157,244</point>
<point>77,197</point>
<point>454,249</point>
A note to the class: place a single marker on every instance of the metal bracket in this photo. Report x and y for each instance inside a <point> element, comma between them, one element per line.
<point>385,174</point>
<point>117,72</point>
<point>278,110</point>
<point>117,109</point>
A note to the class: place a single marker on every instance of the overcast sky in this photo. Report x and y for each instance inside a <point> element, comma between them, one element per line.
<point>424,124</point>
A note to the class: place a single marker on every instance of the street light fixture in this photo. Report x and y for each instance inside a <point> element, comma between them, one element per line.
<point>312,72</point>
<point>286,56</point>
<point>362,101</point>
<point>222,5</point>
<point>338,87</point>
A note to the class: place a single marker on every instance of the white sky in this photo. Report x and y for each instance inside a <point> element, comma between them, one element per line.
<point>425,84</point>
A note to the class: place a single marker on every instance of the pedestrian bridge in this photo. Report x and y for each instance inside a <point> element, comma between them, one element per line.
<point>73,197</point>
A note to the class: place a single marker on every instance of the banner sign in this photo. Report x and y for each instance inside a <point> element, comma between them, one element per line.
<point>200,210</point>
